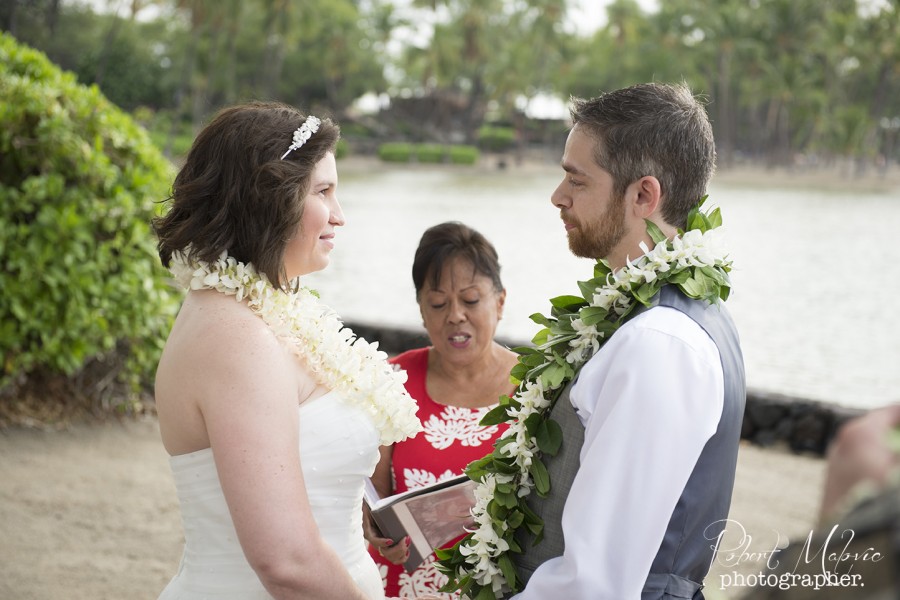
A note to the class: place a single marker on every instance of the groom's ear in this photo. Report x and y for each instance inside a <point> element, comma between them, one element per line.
<point>646,196</point>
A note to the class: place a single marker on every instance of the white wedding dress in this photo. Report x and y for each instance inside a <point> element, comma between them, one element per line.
<point>338,450</point>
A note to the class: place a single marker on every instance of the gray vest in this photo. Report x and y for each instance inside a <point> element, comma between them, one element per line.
<point>685,554</point>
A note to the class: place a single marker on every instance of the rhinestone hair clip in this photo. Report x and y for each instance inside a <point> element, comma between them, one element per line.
<point>303,133</point>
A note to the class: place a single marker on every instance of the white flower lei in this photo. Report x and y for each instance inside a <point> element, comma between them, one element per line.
<point>696,261</point>
<point>338,359</point>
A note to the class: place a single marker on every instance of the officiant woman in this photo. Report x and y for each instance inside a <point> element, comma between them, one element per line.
<point>455,381</point>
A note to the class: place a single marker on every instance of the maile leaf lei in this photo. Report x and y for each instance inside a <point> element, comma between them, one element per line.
<point>480,565</point>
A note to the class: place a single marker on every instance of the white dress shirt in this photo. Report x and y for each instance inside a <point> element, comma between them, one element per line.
<point>650,399</point>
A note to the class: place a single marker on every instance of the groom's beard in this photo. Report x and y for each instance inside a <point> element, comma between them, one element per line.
<point>598,238</point>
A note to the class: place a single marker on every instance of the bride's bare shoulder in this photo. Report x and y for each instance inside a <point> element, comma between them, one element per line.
<point>220,361</point>
<point>212,326</point>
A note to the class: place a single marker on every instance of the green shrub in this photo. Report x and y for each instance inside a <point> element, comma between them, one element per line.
<point>81,282</point>
<point>355,130</point>
<point>430,153</point>
<point>463,155</point>
<point>175,142</point>
<point>180,144</point>
<point>342,149</point>
<point>496,139</point>
<point>395,152</point>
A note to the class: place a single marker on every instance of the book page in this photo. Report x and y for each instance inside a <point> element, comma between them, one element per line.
<point>376,503</point>
<point>444,515</point>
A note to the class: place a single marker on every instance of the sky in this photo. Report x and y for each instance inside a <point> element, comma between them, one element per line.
<point>589,15</point>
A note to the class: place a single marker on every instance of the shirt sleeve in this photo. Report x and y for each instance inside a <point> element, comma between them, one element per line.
<point>650,399</point>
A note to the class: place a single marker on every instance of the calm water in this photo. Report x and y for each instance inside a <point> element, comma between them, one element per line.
<point>815,281</point>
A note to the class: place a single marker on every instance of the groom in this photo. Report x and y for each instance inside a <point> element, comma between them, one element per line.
<point>652,422</point>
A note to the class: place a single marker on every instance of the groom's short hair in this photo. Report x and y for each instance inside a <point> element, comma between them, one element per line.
<point>652,129</point>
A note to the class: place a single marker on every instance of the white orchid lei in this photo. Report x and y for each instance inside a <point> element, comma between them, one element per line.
<point>338,359</point>
<point>480,565</point>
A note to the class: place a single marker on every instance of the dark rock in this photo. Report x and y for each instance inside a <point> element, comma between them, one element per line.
<point>763,412</point>
<point>765,437</point>
<point>783,428</point>
<point>810,432</point>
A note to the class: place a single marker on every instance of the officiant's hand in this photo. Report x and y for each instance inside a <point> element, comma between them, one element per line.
<point>396,553</point>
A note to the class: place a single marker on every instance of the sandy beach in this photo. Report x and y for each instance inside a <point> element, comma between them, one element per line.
<point>90,512</point>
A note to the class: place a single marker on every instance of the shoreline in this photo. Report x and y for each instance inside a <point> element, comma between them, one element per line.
<point>839,177</point>
<point>826,180</point>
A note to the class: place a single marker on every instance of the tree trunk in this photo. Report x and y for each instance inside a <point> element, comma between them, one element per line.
<point>772,132</point>
<point>202,87</point>
<point>229,85</point>
<point>52,16</point>
<point>136,6</point>
<point>473,113</point>
<point>105,49</point>
<point>276,25</point>
<point>184,84</point>
<point>726,132</point>
<point>9,21</point>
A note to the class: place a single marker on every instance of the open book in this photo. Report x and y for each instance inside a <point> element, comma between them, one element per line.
<point>431,516</point>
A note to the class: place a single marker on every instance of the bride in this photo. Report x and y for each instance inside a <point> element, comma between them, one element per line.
<point>271,414</point>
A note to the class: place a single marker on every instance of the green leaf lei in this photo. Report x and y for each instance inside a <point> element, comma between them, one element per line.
<point>480,565</point>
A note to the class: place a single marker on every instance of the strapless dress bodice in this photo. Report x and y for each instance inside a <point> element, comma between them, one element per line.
<point>338,450</point>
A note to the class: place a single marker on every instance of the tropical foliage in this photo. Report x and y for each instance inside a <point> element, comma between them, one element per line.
<point>84,294</point>
<point>786,79</point>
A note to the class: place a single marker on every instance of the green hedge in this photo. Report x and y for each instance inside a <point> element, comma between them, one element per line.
<point>79,182</point>
<point>428,153</point>
<point>495,138</point>
<point>463,155</point>
<point>159,126</point>
<point>342,149</point>
<point>395,152</point>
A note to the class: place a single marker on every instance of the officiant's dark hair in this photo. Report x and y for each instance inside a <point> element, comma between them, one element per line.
<point>235,193</point>
<point>444,242</point>
<point>652,129</point>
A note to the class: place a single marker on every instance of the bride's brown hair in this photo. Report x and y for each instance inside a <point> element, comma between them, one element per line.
<point>234,192</point>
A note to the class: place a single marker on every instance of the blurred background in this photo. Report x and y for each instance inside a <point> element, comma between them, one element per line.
<point>449,110</point>
<point>457,110</point>
<point>790,82</point>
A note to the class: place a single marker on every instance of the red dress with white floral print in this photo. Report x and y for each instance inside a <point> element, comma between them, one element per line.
<point>451,439</point>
